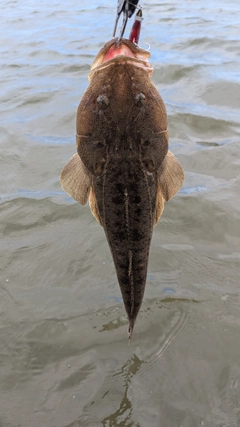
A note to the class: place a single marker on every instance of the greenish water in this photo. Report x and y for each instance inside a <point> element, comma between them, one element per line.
<point>64,358</point>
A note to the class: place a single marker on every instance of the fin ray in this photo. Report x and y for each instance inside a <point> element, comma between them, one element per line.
<point>170,176</point>
<point>76,180</point>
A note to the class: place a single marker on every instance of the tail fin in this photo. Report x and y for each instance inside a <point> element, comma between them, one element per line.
<point>130,331</point>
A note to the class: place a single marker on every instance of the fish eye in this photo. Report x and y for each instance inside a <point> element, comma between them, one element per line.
<point>103,100</point>
<point>140,98</point>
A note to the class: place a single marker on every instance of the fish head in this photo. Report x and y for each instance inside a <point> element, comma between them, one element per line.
<point>119,92</point>
<point>121,51</point>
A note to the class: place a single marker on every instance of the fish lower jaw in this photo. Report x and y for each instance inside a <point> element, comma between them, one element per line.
<point>121,59</point>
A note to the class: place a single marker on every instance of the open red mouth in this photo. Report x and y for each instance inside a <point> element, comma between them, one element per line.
<point>123,50</point>
<point>118,50</point>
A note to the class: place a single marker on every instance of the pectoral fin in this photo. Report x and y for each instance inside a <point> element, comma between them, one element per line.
<point>76,180</point>
<point>159,206</point>
<point>170,176</point>
<point>94,207</point>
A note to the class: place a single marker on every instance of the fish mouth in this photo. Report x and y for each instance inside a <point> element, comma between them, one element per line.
<point>122,51</point>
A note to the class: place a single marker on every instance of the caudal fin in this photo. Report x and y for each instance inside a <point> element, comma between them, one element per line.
<point>130,330</point>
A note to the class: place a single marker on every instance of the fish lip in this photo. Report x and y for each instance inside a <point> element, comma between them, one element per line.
<point>135,55</point>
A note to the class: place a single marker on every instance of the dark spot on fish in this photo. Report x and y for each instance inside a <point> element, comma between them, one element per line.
<point>117,224</point>
<point>119,187</point>
<point>117,200</point>
<point>120,236</point>
<point>137,235</point>
<point>138,212</point>
<point>97,145</point>
<point>136,199</point>
<point>146,143</point>
<point>121,255</point>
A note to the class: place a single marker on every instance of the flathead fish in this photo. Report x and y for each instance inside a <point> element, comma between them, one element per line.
<point>123,166</point>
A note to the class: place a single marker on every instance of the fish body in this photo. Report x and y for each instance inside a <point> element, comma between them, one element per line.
<point>122,164</point>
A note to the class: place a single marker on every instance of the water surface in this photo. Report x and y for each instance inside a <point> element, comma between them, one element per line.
<point>64,358</point>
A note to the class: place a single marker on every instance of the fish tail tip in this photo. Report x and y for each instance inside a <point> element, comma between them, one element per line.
<point>130,332</point>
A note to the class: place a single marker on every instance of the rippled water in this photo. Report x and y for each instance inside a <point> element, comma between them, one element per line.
<point>64,358</point>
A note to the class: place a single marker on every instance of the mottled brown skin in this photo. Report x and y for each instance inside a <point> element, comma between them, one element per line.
<point>122,142</point>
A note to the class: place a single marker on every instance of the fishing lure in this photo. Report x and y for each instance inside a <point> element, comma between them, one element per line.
<point>128,8</point>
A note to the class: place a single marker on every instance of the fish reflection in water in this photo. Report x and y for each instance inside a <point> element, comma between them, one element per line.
<point>123,166</point>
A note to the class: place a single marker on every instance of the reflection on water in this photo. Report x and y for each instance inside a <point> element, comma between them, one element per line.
<point>122,416</point>
<point>64,357</point>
